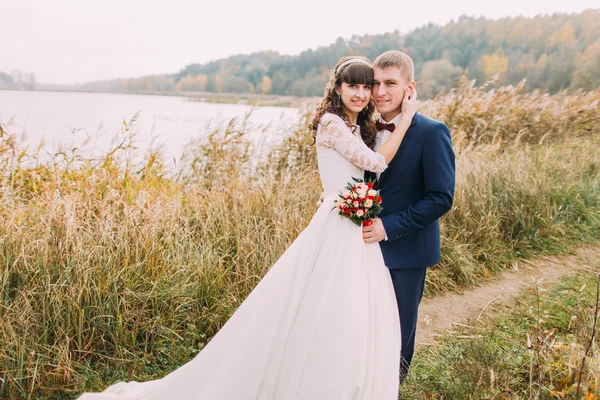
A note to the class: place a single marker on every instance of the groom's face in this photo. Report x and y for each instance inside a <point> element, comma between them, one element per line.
<point>388,91</point>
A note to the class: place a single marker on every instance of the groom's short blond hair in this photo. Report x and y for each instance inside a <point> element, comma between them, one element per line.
<point>397,59</point>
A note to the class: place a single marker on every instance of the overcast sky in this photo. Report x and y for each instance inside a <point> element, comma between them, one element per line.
<point>74,41</point>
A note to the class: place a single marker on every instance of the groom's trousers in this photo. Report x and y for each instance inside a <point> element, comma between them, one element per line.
<point>408,285</point>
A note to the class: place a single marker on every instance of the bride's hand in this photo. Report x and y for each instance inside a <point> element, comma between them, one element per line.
<point>409,104</point>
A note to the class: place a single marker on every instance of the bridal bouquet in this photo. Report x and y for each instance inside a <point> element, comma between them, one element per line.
<point>359,202</point>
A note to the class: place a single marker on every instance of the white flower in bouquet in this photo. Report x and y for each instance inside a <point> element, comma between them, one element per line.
<point>362,190</point>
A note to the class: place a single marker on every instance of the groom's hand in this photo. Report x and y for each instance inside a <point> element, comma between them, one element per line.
<point>375,232</point>
<point>321,198</point>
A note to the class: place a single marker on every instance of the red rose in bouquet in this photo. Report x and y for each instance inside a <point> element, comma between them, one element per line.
<point>359,202</point>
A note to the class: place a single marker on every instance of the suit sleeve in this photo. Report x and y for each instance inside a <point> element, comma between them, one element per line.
<point>439,178</point>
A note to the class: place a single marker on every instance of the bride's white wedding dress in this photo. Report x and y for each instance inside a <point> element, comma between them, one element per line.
<point>321,325</point>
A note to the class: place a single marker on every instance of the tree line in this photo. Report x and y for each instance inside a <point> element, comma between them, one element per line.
<point>552,52</point>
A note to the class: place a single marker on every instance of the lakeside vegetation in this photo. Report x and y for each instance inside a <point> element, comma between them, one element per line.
<point>114,269</point>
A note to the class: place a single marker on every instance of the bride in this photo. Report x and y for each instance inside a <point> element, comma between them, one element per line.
<point>323,322</point>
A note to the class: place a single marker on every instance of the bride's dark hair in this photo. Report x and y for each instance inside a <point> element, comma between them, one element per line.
<point>353,73</point>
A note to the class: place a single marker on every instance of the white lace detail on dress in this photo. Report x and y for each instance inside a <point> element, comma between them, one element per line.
<point>334,133</point>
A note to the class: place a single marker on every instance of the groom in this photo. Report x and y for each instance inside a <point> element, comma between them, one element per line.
<point>417,188</point>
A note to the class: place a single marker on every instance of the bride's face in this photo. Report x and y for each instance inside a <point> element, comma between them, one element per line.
<point>355,97</point>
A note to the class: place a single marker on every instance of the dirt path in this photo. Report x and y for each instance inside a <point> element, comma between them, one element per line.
<point>445,311</point>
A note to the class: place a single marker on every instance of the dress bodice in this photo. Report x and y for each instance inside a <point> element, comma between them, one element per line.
<point>343,155</point>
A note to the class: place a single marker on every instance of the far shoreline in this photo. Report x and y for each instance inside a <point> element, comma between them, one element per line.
<point>254,99</point>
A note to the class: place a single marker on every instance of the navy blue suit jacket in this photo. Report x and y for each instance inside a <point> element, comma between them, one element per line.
<point>417,188</point>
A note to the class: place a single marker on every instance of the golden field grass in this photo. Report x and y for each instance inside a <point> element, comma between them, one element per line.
<point>112,268</point>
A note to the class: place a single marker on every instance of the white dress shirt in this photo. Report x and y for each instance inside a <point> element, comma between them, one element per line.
<point>381,138</point>
<point>384,135</point>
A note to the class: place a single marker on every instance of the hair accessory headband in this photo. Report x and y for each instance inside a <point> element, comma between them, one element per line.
<point>353,61</point>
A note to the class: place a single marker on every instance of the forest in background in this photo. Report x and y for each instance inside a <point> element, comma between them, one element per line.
<point>552,52</point>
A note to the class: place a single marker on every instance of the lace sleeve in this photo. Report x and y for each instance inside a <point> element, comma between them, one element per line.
<point>334,133</point>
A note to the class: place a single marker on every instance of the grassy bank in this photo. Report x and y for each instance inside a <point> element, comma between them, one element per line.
<point>112,268</point>
<point>545,347</point>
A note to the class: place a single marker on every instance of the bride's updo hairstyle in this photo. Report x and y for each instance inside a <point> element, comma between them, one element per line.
<point>352,70</point>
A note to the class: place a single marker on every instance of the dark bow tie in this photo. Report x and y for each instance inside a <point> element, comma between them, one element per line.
<point>383,126</point>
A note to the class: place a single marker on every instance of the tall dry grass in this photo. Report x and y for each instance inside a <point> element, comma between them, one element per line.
<point>113,268</point>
